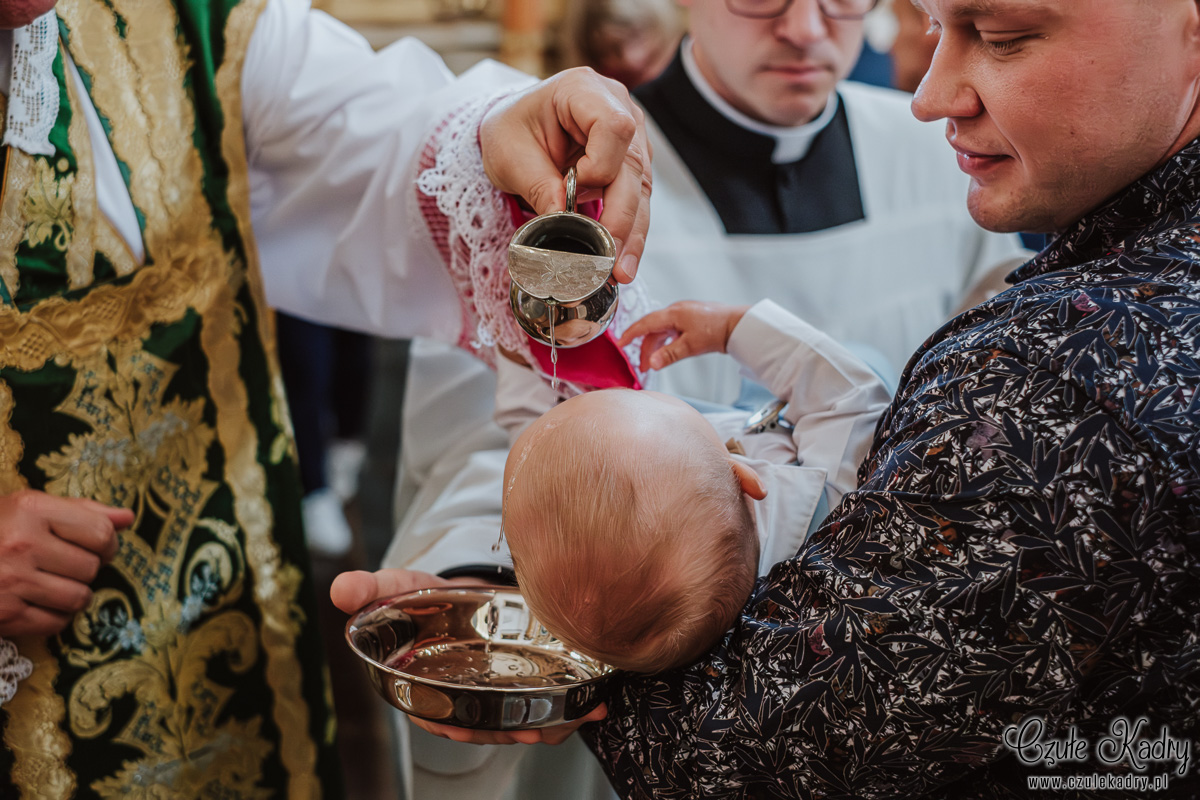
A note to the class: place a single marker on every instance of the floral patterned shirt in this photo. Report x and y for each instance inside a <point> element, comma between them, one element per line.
<point>1024,543</point>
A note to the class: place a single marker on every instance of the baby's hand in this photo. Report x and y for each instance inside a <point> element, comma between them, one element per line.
<point>686,328</point>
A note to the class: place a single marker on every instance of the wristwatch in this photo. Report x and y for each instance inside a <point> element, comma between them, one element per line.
<point>768,418</point>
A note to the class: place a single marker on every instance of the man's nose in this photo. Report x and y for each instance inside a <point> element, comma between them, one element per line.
<point>946,91</point>
<point>802,23</point>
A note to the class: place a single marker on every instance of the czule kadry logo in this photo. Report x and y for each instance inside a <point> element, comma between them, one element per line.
<point>1126,743</point>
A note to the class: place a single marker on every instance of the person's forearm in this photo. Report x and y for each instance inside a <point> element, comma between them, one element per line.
<point>834,398</point>
<point>521,397</point>
<point>334,132</point>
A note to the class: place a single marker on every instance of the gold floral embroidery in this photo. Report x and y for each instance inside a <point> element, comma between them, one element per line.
<point>82,255</point>
<point>149,453</point>
<point>277,583</point>
<point>281,625</point>
<point>18,176</point>
<point>48,212</point>
<point>11,446</point>
<point>78,328</point>
<point>39,745</point>
<point>138,77</point>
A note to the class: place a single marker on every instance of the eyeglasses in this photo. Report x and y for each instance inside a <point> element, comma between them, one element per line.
<point>769,9</point>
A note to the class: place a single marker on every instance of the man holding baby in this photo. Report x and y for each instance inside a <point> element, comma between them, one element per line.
<point>1021,543</point>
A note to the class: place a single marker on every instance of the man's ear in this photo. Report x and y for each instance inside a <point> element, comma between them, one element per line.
<point>751,483</point>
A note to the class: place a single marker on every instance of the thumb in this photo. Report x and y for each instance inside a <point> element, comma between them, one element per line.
<point>351,591</point>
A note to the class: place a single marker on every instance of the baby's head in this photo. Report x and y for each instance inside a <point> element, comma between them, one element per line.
<point>629,527</point>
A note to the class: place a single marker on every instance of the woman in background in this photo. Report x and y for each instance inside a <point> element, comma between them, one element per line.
<point>631,41</point>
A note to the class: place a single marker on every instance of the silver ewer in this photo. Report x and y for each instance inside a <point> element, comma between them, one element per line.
<point>473,657</point>
<point>563,291</point>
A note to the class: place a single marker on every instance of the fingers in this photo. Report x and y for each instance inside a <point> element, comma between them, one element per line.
<point>86,523</point>
<point>654,322</point>
<point>617,157</point>
<point>60,557</point>
<point>626,211</point>
<point>54,593</point>
<point>552,735</point>
<point>560,733</point>
<point>675,350</point>
<point>18,618</point>
<point>529,139</point>
<point>350,591</point>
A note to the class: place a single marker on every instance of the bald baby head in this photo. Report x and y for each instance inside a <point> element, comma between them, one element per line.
<point>629,528</point>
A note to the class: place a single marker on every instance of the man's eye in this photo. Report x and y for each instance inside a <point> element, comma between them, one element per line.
<point>1003,46</point>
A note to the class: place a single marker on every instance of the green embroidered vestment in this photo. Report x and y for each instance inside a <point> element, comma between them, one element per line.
<point>197,671</point>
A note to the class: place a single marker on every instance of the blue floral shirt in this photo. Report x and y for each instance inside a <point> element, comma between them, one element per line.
<point>1023,545</point>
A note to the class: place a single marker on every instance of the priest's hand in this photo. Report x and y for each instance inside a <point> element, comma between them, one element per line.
<point>50,551</point>
<point>350,591</point>
<point>575,117</point>
<point>683,329</point>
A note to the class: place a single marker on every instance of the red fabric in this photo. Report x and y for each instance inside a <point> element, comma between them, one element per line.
<point>598,363</point>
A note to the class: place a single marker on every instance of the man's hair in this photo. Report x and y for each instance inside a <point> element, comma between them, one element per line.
<point>639,559</point>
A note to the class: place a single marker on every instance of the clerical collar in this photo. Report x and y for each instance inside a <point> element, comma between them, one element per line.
<point>791,144</point>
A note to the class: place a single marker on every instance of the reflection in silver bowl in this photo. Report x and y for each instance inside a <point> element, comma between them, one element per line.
<point>473,658</point>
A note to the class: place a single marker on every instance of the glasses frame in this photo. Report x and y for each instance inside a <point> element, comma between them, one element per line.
<point>729,4</point>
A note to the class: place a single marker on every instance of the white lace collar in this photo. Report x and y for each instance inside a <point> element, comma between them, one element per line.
<point>27,75</point>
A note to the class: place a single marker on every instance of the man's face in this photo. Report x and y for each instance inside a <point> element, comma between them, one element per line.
<point>780,71</point>
<point>1056,105</point>
<point>19,13</point>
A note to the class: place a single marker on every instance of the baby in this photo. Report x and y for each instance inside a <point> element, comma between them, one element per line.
<point>636,534</point>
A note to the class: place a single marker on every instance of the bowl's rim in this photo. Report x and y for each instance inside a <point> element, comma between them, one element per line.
<point>468,687</point>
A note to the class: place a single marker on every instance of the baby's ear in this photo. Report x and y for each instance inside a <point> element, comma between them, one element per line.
<point>751,483</point>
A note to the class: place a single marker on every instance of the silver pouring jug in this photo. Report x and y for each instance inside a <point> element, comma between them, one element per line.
<point>563,291</point>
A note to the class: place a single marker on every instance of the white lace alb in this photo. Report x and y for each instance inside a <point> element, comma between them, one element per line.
<point>13,667</point>
<point>33,89</point>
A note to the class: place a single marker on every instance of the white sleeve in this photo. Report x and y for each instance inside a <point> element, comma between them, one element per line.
<point>13,667</point>
<point>521,397</point>
<point>334,132</point>
<point>834,398</point>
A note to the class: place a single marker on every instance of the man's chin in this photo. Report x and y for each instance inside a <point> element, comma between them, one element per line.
<point>1008,215</point>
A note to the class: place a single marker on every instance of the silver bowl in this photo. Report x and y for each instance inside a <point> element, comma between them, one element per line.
<point>473,658</point>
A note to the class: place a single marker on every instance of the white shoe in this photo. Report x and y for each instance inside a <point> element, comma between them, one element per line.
<point>325,524</point>
<point>343,459</point>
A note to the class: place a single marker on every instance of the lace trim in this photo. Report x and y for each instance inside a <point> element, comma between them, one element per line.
<point>13,667</point>
<point>33,94</point>
<point>471,226</point>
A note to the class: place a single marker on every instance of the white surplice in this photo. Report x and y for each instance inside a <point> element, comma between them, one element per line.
<point>333,132</point>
